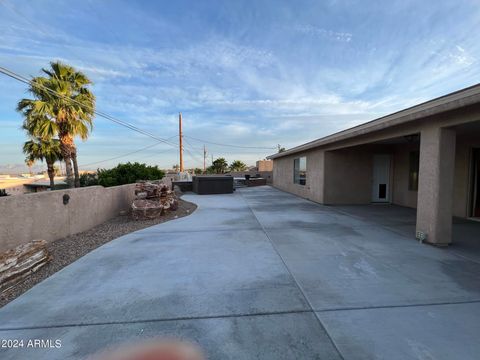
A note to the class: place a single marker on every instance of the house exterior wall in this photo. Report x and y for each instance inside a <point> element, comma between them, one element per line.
<point>435,185</point>
<point>463,174</point>
<point>330,174</point>
<point>341,166</point>
<point>461,191</point>
<point>348,176</point>
<point>444,162</point>
<point>313,188</point>
<point>330,169</point>
<point>401,168</point>
<point>461,184</point>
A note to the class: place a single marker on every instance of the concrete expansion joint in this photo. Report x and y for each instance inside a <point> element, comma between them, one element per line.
<point>150,232</point>
<point>464,257</point>
<point>141,321</point>
<point>297,284</point>
<point>399,306</point>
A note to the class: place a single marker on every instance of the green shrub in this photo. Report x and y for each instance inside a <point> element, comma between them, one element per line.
<point>87,179</point>
<point>128,173</point>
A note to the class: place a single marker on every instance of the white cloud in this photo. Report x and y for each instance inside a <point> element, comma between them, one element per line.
<point>324,33</point>
<point>245,89</point>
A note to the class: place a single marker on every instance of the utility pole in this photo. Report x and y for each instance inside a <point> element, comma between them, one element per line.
<point>180,136</point>
<point>204,159</point>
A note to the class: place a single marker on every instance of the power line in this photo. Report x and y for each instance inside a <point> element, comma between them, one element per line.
<point>230,145</point>
<point>191,146</point>
<point>127,154</point>
<point>159,152</point>
<point>27,81</point>
<point>22,79</point>
<point>192,156</point>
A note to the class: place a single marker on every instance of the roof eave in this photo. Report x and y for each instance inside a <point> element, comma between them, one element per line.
<point>452,101</point>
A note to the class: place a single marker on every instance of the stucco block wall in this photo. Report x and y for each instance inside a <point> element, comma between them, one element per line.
<point>44,216</point>
<point>348,176</point>
<point>283,175</point>
<point>401,195</point>
<point>404,197</point>
<point>334,184</point>
<point>462,180</point>
<point>330,174</point>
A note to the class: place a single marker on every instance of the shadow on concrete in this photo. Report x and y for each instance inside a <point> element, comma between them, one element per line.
<point>402,220</point>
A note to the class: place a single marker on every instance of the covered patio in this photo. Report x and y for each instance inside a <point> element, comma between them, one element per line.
<point>435,170</point>
<point>425,157</point>
<point>402,220</point>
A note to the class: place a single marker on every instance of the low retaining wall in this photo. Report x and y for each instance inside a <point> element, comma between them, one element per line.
<point>44,216</point>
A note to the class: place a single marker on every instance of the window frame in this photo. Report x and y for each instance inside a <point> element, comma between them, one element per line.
<point>300,170</point>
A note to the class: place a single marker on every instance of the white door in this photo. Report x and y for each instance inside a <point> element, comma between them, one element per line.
<point>381,178</point>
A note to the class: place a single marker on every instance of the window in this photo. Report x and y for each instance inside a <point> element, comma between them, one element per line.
<point>414,169</point>
<point>300,170</point>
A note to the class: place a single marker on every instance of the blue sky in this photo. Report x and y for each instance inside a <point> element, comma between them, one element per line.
<point>251,73</point>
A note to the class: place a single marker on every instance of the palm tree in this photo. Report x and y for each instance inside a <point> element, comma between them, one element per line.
<point>29,164</point>
<point>63,106</point>
<point>238,165</point>
<point>48,150</point>
<point>220,165</point>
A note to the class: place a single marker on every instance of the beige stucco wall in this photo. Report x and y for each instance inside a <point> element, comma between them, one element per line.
<point>348,176</point>
<point>435,184</point>
<point>401,167</point>
<point>313,188</point>
<point>462,181</point>
<point>342,165</point>
<point>404,197</point>
<point>352,159</point>
<point>264,165</point>
<point>44,216</point>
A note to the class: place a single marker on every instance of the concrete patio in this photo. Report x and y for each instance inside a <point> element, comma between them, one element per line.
<point>262,274</point>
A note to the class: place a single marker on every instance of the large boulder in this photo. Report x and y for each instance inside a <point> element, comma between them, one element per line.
<point>152,199</point>
<point>143,209</point>
<point>16,264</point>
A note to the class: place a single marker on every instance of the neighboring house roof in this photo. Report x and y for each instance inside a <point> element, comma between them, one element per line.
<point>452,101</point>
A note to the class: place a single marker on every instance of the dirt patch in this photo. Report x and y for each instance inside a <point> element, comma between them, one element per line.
<point>67,250</point>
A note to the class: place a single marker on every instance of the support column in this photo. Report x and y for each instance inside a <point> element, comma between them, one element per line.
<point>435,187</point>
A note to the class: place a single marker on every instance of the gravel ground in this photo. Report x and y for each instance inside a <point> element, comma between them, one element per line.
<point>67,250</point>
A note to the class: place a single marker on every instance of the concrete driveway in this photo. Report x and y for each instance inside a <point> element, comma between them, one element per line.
<point>259,274</point>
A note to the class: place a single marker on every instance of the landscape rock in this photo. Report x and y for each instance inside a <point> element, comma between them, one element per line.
<point>18,263</point>
<point>146,209</point>
<point>153,199</point>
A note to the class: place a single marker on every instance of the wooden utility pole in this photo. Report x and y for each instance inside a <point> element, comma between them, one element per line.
<point>180,142</point>
<point>204,159</point>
